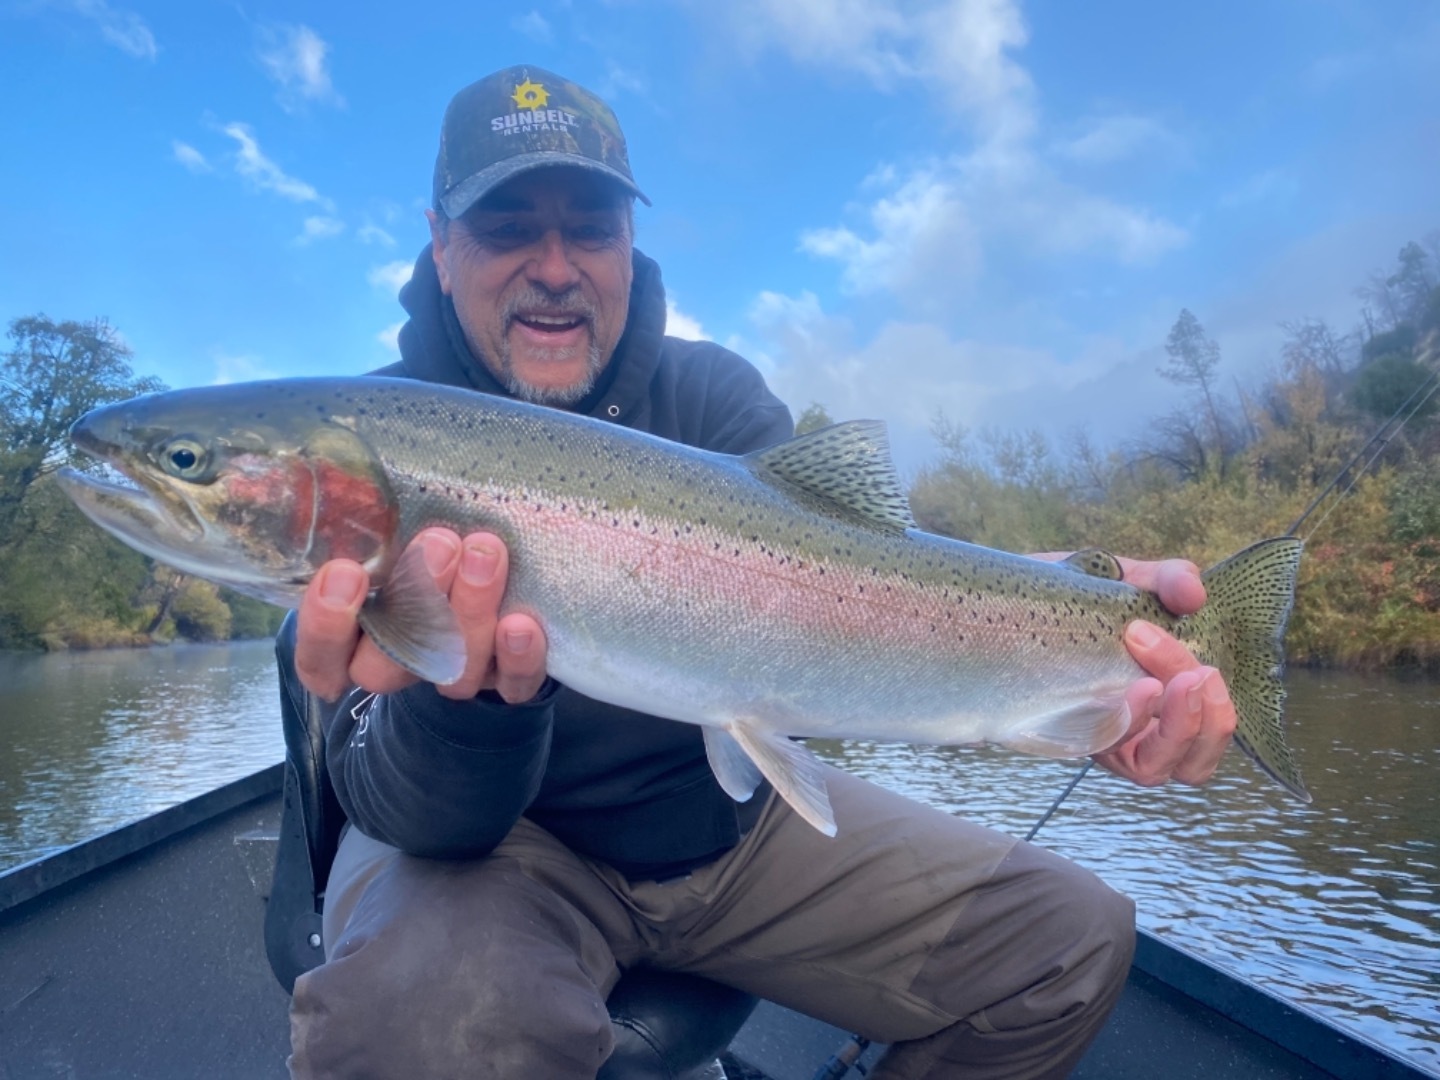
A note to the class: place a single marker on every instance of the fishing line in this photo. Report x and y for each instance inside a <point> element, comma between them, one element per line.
<point>1431,386</point>
<point>1427,352</point>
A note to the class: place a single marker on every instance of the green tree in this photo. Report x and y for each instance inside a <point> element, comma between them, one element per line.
<point>1412,282</point>
<point>1397,342</point>
<point>812,419</point>
<point>54,373</point>
<point>61,579</point>
<point>1388,382</point>
<point>1193,360</point>
<point>199,613</point>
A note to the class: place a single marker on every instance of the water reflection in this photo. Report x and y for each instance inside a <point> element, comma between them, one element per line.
<point>1335,905</point>
<point>93,740</point>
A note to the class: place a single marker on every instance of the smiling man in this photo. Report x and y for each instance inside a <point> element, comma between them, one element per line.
<point>539,273</point>
<point>513,847</point>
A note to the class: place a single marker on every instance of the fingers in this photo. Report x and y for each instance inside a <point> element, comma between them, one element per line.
<point>476,587</point>
<point>1217,726</point>
<point>1161,654</point>
<point>326,630</point>
<point>332,654</point>
<point>520,650</point>
<point>507,655</point>
<point>370,667</point>
<point>1180,733</point>
<point>1176,581</point>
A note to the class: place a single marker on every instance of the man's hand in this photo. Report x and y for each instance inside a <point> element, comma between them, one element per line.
<point>506,655</point>
<point>1181,719</point>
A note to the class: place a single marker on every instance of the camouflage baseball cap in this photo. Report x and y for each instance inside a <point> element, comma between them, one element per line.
<point>519,119</point>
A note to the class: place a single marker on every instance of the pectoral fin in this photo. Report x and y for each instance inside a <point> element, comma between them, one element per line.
<point>1086,727</point>
<point>792,770</point>
<point>411,621</point>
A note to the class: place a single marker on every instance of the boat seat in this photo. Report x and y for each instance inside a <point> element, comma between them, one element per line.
<point>667,1025</point>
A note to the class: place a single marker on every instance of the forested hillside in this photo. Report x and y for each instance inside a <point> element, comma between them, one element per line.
<point>63,582</point>
<point>1232,466</point>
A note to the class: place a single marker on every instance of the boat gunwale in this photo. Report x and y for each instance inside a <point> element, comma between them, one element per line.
<point>41,875</point>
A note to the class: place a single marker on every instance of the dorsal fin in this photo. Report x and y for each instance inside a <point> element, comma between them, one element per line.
<point>1096,562</point>
<point>847,465</point>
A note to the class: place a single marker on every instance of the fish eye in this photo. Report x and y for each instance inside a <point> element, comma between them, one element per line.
<point>184,458</point>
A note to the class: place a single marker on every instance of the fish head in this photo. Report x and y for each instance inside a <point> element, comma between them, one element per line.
<point>253,486</point>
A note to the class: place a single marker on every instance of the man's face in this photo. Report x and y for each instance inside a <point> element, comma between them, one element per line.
<point>539,271</point>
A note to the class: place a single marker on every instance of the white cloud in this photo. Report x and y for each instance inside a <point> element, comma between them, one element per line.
<point>251,163</point>
<point>391,276</point>
<point>926,230</point>
<point>924,237</point>
<point>123,29</point>
<point>294,56</point>
<point>372,234</point>
<point>908,373</point>
<point>533,26</point>
<point>390,336</point>
<point>191,158</point>
<point>319,228</point>
<point>239,368</point>
<point>960,47</point>
<point>1108,139</point>
<point>924,246</point>
<point>678,324</point>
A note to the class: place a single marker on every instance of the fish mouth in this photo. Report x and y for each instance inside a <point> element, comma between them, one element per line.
<point>139,513</point>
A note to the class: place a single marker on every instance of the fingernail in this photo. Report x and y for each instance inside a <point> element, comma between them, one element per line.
<point>478,564</point>
<point>517,641</point>
<point>340,587</point>
<point>439,550</point>
<point>1214,689</point>
<point>1192,697</point>
<point>1142,633</point>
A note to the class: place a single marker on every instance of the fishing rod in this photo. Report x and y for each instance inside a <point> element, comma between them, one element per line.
<point>848,1056</point>
<point>1427,353</point>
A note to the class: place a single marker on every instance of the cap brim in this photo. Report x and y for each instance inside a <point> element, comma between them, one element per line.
<point>472,189</point>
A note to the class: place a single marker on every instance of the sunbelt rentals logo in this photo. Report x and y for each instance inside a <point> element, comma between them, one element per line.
<point>532,113</point>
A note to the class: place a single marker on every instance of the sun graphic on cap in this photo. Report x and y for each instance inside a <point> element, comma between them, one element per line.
<point>530,95</point>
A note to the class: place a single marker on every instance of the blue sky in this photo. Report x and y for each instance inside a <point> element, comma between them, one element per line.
<point>990,208</point>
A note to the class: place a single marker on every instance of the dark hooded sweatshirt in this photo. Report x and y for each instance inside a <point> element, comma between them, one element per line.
<point>449,779</point>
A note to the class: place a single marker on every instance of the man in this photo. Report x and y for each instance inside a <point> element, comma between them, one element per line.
<point>514,846</point>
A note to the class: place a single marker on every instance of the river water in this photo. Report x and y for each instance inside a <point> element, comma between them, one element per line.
<point>1335,905</point>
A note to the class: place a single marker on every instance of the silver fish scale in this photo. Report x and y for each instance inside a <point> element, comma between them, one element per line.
<point>698,590</point>
<point>778,594</point>
<point>771,595</point>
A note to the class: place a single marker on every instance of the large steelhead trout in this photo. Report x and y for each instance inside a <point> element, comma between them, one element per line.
<point>783,593</point>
